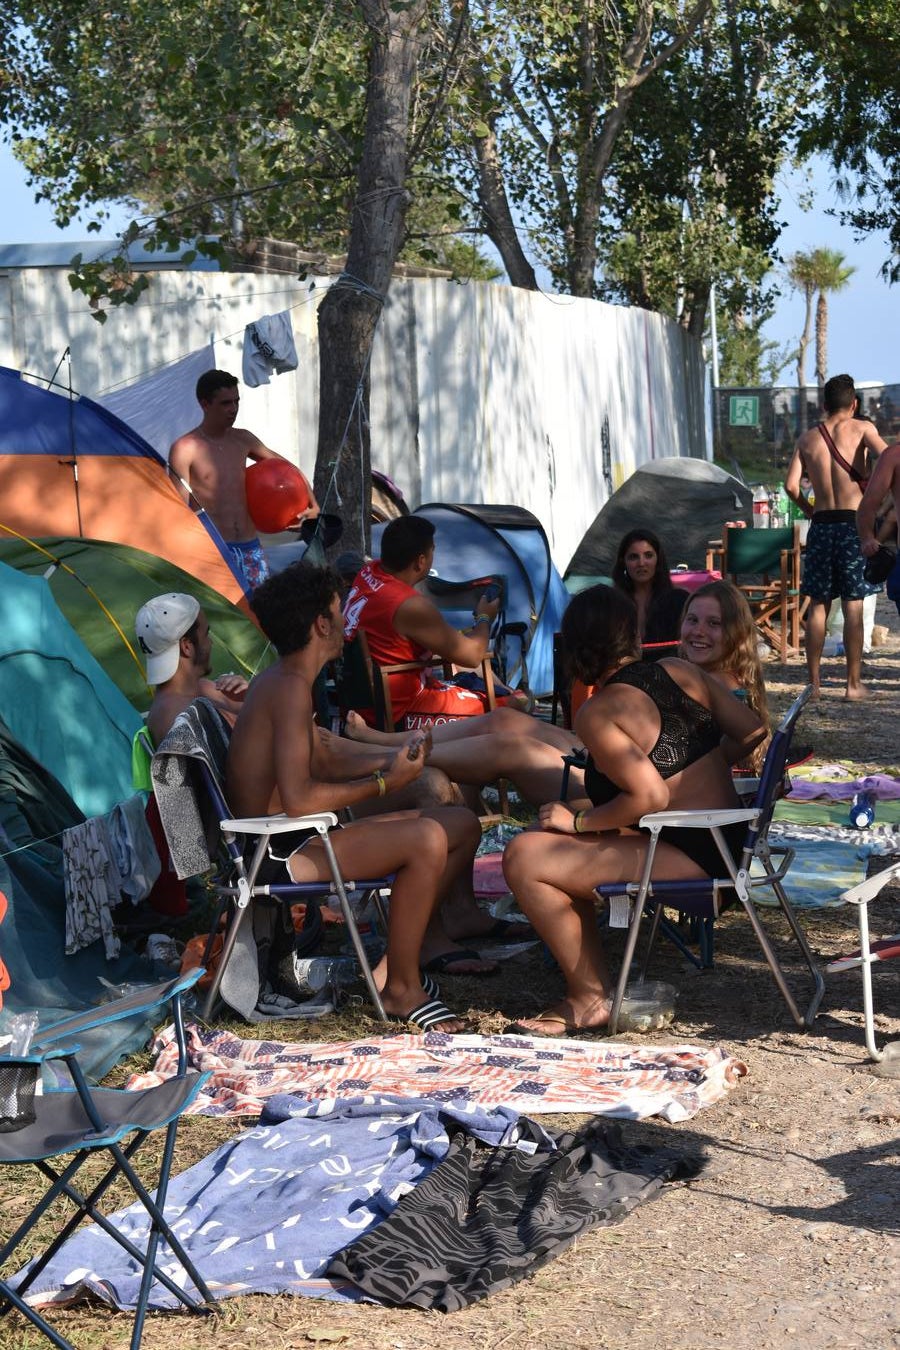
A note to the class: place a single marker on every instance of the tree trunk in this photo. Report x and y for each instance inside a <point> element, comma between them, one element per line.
<point>497,216</point>
<point>801,362</point>
<point>348,316</point>
<point>821,341</point>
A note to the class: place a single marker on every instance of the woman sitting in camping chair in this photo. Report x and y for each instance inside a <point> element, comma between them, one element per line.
<point>660,735</point>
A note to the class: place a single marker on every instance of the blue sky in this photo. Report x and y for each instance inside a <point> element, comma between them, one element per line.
<point>864,320</point>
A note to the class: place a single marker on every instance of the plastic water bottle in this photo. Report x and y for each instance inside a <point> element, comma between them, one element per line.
<point>862,810</point>
<point>760,508</point>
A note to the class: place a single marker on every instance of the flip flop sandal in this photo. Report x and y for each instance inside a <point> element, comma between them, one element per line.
<point>445,962</point>
<point>568,1028</point>
<point>427,1017</point>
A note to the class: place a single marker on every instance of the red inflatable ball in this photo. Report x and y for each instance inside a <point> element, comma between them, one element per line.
<point>276,494</point>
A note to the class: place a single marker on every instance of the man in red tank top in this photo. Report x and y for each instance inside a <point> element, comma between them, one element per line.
<point>402,625</point>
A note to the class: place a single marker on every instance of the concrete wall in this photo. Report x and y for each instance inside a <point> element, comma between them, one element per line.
<point>479,392</point>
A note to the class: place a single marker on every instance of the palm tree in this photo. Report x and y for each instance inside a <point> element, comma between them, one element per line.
<point>802,276</point>
<point>822,270</point>
<point>831,274</point>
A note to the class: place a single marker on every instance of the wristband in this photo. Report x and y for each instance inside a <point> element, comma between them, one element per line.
<point>481,618</point>
<point>378,779</point>
<point>579,817</point>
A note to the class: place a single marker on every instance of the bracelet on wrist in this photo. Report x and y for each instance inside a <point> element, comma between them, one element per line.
<point>481,618</point>
<point>378,780</point>
<point>579,822</point>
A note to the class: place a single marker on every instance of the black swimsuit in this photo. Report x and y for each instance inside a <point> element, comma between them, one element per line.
<point>687,732</point>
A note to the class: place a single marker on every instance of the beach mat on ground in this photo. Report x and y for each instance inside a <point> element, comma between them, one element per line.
<point>267,1211</point>
<point>823,868</point>
<point>535,1075</point>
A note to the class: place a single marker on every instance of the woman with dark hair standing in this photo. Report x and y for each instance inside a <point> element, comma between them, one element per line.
<point>659,735</point>
<point>641,570</point>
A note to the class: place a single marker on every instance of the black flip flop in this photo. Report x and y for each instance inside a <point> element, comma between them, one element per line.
<point>443,964</point>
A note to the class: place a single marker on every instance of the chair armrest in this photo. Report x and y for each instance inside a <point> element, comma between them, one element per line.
<point>872,886</point>
<point>698,820</point>
<point>403,667</point>
<point>140,1001</point>
<point>280,824</point>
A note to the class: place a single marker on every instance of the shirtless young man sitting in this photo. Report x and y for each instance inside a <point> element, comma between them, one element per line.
<point>173,634</point>
<point>276,762</point>
<point>833,456</point>
<point>211,461</point>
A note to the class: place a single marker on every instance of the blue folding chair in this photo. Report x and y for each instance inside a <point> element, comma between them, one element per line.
<point>200,771</point>
<point>84,1121</point>
<point>702,898</point>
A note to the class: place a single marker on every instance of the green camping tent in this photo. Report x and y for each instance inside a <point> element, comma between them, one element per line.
<point>100,587</point>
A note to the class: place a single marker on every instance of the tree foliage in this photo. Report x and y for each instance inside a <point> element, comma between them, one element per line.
<point>854,48</point>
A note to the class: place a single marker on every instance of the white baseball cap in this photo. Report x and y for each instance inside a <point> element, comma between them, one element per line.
<point>160,625</point>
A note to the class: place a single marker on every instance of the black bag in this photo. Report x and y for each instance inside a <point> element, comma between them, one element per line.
<point>879,567</point>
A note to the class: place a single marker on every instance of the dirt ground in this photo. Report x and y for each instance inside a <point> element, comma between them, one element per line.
<point>790,1233</point>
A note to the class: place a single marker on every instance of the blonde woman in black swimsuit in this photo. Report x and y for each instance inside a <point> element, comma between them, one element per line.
<point>660,735</point>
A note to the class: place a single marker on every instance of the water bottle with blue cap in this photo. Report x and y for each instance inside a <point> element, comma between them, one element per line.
<point>862,810</point>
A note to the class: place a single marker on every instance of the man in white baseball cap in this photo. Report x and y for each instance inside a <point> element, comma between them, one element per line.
<point>160,624</point>
<point>173,634</point>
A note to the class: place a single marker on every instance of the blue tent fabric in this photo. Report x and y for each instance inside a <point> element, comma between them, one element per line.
<point>58,701</point>
<point>30,423</point>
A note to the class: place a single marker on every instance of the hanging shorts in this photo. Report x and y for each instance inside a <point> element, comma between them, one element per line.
<point>249,561</point>
<point>833,564</point>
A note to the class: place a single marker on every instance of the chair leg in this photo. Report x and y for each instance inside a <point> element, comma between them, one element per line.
<point>34,1317</point>
<point>806,1019</point>
<point>350,921</point>
<point>633,930</point>
<point>865,967</point>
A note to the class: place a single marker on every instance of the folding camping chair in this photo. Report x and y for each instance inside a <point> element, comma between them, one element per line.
<point>765,567</point>
<point>869,952</point>
<point>364,684</point>
<point>702,898</point>
<point>188,771</point>
<point>84,1121</point>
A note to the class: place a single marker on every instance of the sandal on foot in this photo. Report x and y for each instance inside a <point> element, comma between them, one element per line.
<point>556,1019</point>
<point>427,1017</point>
<point>446,963</point>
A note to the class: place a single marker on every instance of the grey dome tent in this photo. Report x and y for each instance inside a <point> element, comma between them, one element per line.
<point>685,501</point>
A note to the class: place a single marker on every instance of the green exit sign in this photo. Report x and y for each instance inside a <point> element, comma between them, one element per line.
<point>743,410</point>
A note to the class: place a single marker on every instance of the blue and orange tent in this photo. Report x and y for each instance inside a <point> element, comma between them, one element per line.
<point>68,467</point>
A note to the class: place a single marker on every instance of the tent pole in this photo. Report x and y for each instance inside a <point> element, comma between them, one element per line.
<point>67,357</point>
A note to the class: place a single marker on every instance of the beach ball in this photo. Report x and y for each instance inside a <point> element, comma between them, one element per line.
<point>276,493</point>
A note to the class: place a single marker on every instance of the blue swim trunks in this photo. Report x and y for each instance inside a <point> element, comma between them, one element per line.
<point>249,561</point>
<point>833,564</point>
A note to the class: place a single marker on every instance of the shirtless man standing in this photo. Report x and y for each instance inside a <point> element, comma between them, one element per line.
<point>885,481</point>
<point>833,457</point>
<point>211,461</point>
